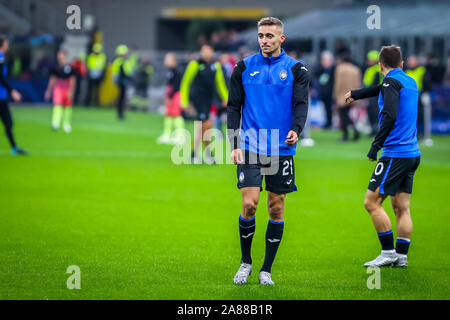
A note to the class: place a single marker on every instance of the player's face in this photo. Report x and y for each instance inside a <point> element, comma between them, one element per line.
<point>5,46</point>
<point>170,60</point>
<point>270,39</point>
<point>62,57</point>
<point>207,53</point>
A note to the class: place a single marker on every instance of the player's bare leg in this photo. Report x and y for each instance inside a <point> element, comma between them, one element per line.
<point>400,204</point>
<point>198,136</point>
<point>373,203</point>
<point>206,125</point>
<point>274,233</point>
<point>250,198</point>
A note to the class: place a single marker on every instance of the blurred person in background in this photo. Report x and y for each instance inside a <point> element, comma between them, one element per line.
<point>61,87</point>
<point>417,72</point>
<point>372,77</point>
<point>141,80</point>
<point>203,77</point>
<point>325,79</point>
<point>96,66</point>
<point>346,77</point>
<point>173,119</point>
<point>434,73</point>
<point>446,81</point>
<point>122,78</point>
<point>80,69</point>
<point>5,91</point>
<point>133,60</point>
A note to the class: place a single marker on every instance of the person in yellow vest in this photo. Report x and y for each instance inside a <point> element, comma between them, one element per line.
<point>133,60</point>
<point>417,72</point>
<point>96,66</point>
<point>122,77</point>
<point>372,77</point>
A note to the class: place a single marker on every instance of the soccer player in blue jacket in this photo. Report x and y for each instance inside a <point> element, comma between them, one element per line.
<point>269,94</point>
<point>394,173</point>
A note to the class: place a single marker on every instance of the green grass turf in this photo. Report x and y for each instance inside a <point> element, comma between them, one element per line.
<point>107,198</point>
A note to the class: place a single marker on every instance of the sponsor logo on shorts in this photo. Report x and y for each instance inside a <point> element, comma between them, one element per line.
<point>241,177</point>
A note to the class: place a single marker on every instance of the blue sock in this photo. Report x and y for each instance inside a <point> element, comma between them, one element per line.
<point>246,232</point>
<point>274,234</point>
<point>402,246</point>
<point>386,240</point>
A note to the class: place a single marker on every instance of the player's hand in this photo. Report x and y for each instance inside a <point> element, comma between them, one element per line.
<point>47,95</point>
<point>237,156</point>
<point>291,138</point>
<point>372,155</point>
<point>348,97</point>
<point>16,95</point>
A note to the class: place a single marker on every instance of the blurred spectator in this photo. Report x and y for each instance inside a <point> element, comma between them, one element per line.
<point>434,73</point>
<point>346,77</point>
<point>224,40</point>
<point>122,77</point>
<point>44,65</point>
<point>80,70</point>
<point>227,61</point>
<point>293,54</point>
<point>417,72</point>
<point>242,53</point>
<point>142,76</point>
<point>447,72</point>
<point>96,66</point>
<point>372,77</point>
<point>324,76</point>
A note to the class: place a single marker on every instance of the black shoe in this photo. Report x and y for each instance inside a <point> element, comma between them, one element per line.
<point>356,136</point>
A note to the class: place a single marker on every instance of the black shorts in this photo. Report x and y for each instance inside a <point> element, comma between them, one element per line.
<point>394,175</point>
<point>279,173</point>
<point>203,108</point>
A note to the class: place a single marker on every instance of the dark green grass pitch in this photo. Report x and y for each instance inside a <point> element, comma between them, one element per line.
<point>108,199</point>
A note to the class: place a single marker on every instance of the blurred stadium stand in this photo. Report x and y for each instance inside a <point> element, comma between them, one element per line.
<point>403,25</point>
<point>37,28</point>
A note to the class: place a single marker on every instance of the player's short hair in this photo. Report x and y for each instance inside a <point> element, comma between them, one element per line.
<point>207,44</point>
<point>391,56</point>
<point>3,39</point>
<point>271,21</point>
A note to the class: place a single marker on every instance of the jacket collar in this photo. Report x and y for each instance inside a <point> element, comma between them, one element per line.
<point>394,71</point>
<point>272,59</point>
